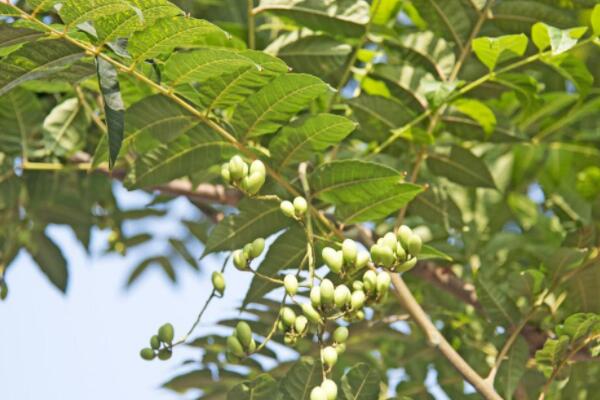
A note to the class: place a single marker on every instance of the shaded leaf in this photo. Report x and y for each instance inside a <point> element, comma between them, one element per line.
<point>462,167</point>
<point>114,109</point>
<point>361,382</point>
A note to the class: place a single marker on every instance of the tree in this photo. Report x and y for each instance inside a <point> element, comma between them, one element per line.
<point>448,148</point>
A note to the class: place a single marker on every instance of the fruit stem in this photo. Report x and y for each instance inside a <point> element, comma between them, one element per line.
<point>302,168</point>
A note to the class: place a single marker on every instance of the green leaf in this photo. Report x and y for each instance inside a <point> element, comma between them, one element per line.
<point>302,138</point>
<point>75,12</point>
<point>10,36</point>
<point>575,70</point>
<point>498,307</point>
<point>274,105</point>
<point>382,204</point>
<point>492,51</point>
<point>361,382</point>
<point>301,379</point>
<point>196,150</point>
<point>114,109</point>
<point>343,18</point>
<point>264,387</point>
<point>595,19</point>
<point>183,251</point>
<point>8,11</point>
<point>437,207</point>
<point>406,83</point>
<point>202,65</point>
<point>563,260</point>
<point>378,115</point>
<point>168,33</point>
<point>256,218</point>
<point>383,10</point>
<point>477,111</point>
<point>36,60</point>
<point>517,16</point>
<point>49,258</point>
<point>462,167</point>
<point>352,181</point>
<point>65,127</point>
<point>21,117</point>
<point>286,252</point>
<point>513,368</point>
<point>429,253</point>
<point>583,290</point>
<point>559,40</point>
<point>451,19</point>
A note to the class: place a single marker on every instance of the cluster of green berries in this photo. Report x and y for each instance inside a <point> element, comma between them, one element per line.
<point>346,259</point>
<point>250,179</point>
<point>399,251</point>
<point>329,355</point>
<point>292,326</point>
<point>218,282</point>
<point>161,345</point>
<point>243,257</point>
<point>241,343</point>
<point>295,209</point>
<point>326,391</point>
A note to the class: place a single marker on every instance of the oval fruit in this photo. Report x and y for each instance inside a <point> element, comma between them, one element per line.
<point>334,259</point>
<point>330,389</point>
<point>235,347</point>
<point>329,356</point>
<point>287,208</point>
<point>257,247</point>
<point>327,291</point>
<point>349,251</point>
<point>218,281</point>
<point>147,354</point>
<point>340,335</point>
<point>291,284</point>
<point>166,333</point>
<point>243,333</point>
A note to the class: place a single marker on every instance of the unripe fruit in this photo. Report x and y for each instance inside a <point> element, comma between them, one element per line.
<point>318,394</point>
<point>291,284</point>
<point>280,326</point>
<point>289,340</point>
<point>408,265</point>
<point>237,168</point>
<point>340,348</point>
<point>349,251</point>
<point>252,346</point>
<point>287,208</point>
<point>414,245</point>
<point>400,252</point>
<point>362,259</point>
<point>357,285</point>
<point>404,233</point>
<point>370,280</point>
<point>218,282</point>
<point>333,259</point>
<point>300,205</point>
<point>330,389</point>
<point>310,313</point>
<point>155,342</point>
<point>315,296</point>
<point>147,354</point>
<point>389,240</point>
<point>257,247</point>
<point>341,296</point>
<point>358,299</point>
<point>329,356</point>
<point>300,324</point>
<point>166,333</point>
<point>225,173</point>
<point>247,249</point>
<point>360,315</point>
<point>288,316</point>
<point>165,354</point>
<point>231,358</point>
<point>252,183</point>
<point>327,292</point>
<point>383,282</point>
<point>240,260</point>
<point>235,347</point>
<point>382,255</point>
<point>340,335</point>
<point>258,167</point>
<point>243,333</point>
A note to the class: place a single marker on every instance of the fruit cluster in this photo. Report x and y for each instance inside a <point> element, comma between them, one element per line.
<point>241,343</point>
<point>243,257</point>
<point>397,252</point>
<point>160,345</point>
<point>249,179</point>
<point>295,209</point>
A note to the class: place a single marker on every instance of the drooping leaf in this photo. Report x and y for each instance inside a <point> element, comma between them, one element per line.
<point>65,128</point>
<point>462,167</point>
<point>451,19</point>
<point>50,259</point>
<point>10,36</point>
<point>477,111</point>
<point>21,116</point>
<point>558,40</point>
<point>361,382</point>
<point>301,379</point>
<point>75,12</point>
<point>378,115</point>
<point>437,207</point>
<point>114,109</point>
<point>492,51</point>
<point>264,387</point>
<point>513,368</point>
<point>256,218</point>
<point>271,107</point>
<point>595,19</point>
<point>299,140</point>
<point>499,308</point>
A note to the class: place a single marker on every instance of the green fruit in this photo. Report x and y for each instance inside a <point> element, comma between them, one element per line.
<point>231,358</point>
<point>291,284</point>
<point>358,299</point>
<point>225,173</point>
<point>318,394</point>
<point>408,265</point>
<point>243,333</point>
<point>404,233</point>
<point>147,354</point>
<point>288,316</point>
<point>330,389</point>
<point>414,245</point>
<point>3,290</point>
<point>235,347</point>
<point>340,335</point>
<point>280,326</point>
<point>341,296</point>
<point>300,205</point>
<point>218,282</point>
<point>389,240</point>
<point>252,183</point>
<point>383,282</point>
<point>360,315</point>
<point>315,297</point>
<point>287,208</point>
<point>289,340</point>
<point>237,168</point>
<point>362,259</point>
<point>329,356</point>
<point>252,346</point>
<point>340,348</point>
<point>333,259</point>
<point>247,249</point>
<point>300,324</point>
<point>349,251</point>
<point>400,252</point>
<point>357,285</point>
<point>258,167</point>
<point>382,255</point>
<point>310,313</point>
<point>240,260</point>
<point>166,333</point>
<point>155,342</point>
<point>370,280</point>
<point>257,247</point>
<point>164,354</point>
<point>327,292</point>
